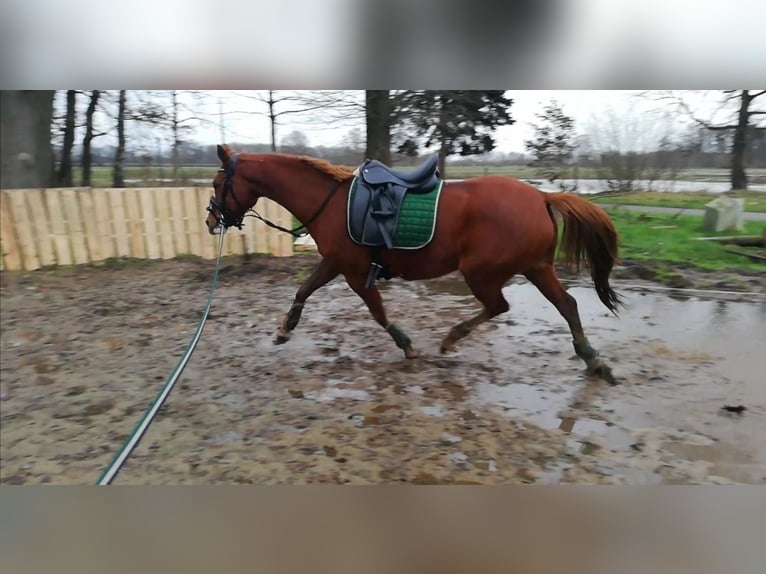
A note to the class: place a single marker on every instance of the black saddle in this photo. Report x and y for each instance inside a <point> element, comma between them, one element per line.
<point>421,178</point>
<point>373,213</point>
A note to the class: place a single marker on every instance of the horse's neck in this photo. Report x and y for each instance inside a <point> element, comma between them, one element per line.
<point>299,188</point>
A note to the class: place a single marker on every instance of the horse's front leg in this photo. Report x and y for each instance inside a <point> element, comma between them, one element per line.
<point>322,275</point>
<point>374,303</point>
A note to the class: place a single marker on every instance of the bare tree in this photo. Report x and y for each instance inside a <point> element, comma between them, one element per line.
<point>176,126</point>
<point>183,117</point>
<point>77,121</point>
<point>64,174</point>
<point>666,161</point>
<point>271,101</point>
<point>625,142</point>
<point>90,134</point>
<point>737,105</point>
<point>178,116</point>
<point>310,107</point>
<point>739,143</point>
<point>118,171</point>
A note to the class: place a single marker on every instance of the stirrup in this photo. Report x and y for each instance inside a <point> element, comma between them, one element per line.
<point>375,270</point>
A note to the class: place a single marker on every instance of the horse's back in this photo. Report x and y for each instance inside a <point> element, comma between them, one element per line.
<point>501,196</point>
<point>499,185</point>
<point>504,215</point>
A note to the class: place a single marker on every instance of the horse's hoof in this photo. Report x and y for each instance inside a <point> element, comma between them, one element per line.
<point>281,339</point>
<point>411,353</point>
<point>609,377</point>
<point>447,350</point>
<point>604,372</point>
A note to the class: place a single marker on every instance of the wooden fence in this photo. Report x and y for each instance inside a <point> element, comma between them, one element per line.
<point>64,226</point>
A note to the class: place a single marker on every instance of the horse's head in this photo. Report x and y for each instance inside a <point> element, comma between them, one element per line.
<point>232,196</point>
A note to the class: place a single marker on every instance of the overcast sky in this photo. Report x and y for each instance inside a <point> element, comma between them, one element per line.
<point>582,105</point>
<point>637,120</point>
<point>589,108</point>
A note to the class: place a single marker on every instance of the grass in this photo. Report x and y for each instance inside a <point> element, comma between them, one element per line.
<point>755,201</point>
<point>661,237</point>
<point>119,263</point>
<point>101,175</point>
<point>517,171</point>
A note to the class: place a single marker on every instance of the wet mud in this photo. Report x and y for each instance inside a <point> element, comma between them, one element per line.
<point>86,350</point>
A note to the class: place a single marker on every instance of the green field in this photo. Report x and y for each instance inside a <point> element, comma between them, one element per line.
<point>517,171</point>
<point>143,176</point>
<point>662,237</point>
<point>101,175</point>
<point>526,172</point>
<point>755,201</point>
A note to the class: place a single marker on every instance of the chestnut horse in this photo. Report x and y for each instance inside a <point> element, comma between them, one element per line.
<point>490,228</point>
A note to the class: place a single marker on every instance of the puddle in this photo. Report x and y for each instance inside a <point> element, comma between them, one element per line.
<point>433,410</point>
<point>333,393</point>
<point>532,402</point>
<point>679,361</point>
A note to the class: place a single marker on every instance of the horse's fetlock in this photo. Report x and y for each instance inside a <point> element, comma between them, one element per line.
<point>585,351</point>
<point>400,337</point>
<point>462,330</point>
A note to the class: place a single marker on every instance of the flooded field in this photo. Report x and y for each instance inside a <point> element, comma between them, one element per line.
<point>85,351</point>
<point>587,186</point>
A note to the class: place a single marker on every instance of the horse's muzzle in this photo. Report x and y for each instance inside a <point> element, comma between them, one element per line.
<point>214,226</point>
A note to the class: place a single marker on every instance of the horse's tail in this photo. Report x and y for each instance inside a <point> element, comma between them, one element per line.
<point>588,233</point>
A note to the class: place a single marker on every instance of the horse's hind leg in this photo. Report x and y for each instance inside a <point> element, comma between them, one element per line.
<point>489,292</point>
<point>374,303</point>
<point>322,275</point>
<point>544,278</point>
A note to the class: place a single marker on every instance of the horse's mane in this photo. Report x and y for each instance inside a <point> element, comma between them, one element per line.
<point>337,172</point>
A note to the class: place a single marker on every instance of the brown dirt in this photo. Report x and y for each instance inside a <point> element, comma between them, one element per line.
<point>86,349</point>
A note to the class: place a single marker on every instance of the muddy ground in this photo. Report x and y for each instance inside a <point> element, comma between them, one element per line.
<point>85,351</point>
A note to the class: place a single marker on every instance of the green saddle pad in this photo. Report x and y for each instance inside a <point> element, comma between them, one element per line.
<point>417,217</point>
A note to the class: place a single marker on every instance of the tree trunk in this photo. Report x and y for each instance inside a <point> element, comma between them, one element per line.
<point>26,151</point>
<point>738,174</point>
<point>378,118</point>
<point>176,139</point>
<point>64,176</point>
<point>118,171</point>
<point>86,155</point>
<point>220,121</point>
<point>442,161</point>
<point>443,143</point>
<point>273,120</point>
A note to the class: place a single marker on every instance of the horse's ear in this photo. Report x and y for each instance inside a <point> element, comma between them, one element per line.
<point>224,153</point>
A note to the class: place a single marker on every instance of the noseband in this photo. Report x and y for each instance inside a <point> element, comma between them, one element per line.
<point>225,218</point>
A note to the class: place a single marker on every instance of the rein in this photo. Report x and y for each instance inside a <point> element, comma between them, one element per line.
<point>295,232</point>
<point>227,221</point>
